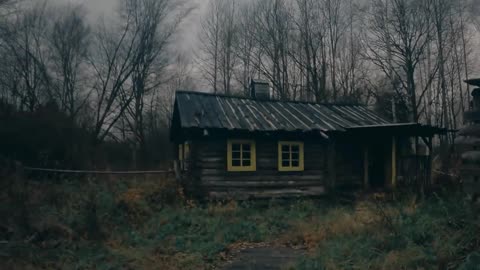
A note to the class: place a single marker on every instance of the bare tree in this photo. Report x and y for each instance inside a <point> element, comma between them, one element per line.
<point>129,59</point>
<point>313,56</point>
<point>156,22</point>
<point>25,46</point>
<point>441,9</point>
<point>113,62</point>
<point>217,38</point>
<point>69,49</point>
<point>404,35</point>
<point>161,105</point>
<point>273,28</point>
<point>245,48</point>
<point>336,28</point>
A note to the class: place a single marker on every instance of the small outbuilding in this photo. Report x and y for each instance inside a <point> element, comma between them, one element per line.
<point>256,147</point>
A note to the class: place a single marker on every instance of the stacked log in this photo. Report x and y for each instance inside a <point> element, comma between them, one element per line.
<point>468,145</point>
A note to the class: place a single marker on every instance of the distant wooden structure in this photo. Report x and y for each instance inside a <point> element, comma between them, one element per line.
<point>256,147</point>
<point>467,144</point>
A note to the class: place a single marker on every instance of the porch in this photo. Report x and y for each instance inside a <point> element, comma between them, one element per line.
<point>392,155</point>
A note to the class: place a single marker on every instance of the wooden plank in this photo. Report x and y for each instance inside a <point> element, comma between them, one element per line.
<point>264,172</point>
<point>263,178</point>
<point>261,184</point>
<point>271,193</point>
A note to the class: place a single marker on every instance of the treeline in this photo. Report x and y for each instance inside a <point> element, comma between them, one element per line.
<point>102,90</point>
<point>80,94</point>
<point>409,57</point>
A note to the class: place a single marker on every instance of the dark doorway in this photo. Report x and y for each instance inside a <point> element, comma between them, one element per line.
<point>376,166</point>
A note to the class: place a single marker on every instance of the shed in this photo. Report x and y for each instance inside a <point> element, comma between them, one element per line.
<point>246,147</point>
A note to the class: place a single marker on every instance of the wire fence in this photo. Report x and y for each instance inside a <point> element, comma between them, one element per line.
<point>162,172</point>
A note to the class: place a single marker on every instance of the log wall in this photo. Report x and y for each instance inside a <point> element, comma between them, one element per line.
<point>211,179</point>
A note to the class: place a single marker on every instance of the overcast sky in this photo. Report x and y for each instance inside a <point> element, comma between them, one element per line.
<point>186,40</point>
<point>187,35</point>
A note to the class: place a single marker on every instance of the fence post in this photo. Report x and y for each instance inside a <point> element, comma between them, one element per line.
<point>20,194</point>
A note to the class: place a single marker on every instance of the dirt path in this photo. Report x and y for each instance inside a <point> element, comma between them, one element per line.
<point>268,258</point>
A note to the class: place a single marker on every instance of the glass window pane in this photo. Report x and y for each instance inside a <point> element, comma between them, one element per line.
<point>246,163</point>
<point>285,163</point>
<point>285,148</point>
<point>295,148</point>
<point>285,156</point>
<point>295,163</point>
<point>246,155</point>
<point>235,147</point>
<point>246,147</point>
<point>236,155</point>
<point>295,155</point>
<point>236,162</point>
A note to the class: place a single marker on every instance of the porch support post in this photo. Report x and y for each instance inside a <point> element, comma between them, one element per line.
<point>429,142</point>
<point>430,160</point>
<point>366,183</point>
<point>394,163</point>
<point>332,173</point>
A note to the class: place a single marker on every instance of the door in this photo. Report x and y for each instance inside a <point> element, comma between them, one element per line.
<point>377,166</point>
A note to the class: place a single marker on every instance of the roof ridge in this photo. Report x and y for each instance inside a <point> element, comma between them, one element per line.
<point>268,100</point>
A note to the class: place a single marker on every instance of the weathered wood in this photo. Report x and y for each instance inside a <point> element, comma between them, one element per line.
<point>366,180</point>
<point>332,168</point>
<point>393,160</point>
<point>211,167</point>
<point>263,172</point>
<point>316,178</point>
<point>273,193</point>
<point>429,143</point>
<point>260,183</point>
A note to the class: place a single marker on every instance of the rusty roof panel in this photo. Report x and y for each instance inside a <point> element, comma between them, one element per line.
<point>203,110</point>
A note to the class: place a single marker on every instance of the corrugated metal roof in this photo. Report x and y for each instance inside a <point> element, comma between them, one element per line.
<point>202,110</point>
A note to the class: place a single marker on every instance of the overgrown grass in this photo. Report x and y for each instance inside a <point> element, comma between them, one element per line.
<point>437,233</point>
<point>148,224</point>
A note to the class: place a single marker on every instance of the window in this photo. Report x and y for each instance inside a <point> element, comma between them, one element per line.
<point>241,156</point>
<point>290,156</point>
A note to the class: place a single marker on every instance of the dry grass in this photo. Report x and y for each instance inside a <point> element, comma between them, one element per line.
<point>148,224</point>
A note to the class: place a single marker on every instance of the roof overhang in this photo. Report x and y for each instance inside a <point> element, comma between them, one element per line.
<point>474,82</point>
<point>405,129</point>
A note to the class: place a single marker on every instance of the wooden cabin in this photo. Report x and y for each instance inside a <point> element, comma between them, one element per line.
<point>255,147</point>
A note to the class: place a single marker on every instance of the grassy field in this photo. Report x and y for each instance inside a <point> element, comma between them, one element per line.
<point>63,223</point>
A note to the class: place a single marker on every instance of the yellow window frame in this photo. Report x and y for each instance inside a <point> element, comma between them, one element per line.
<point>301,157</point>
<point>253,156</point>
